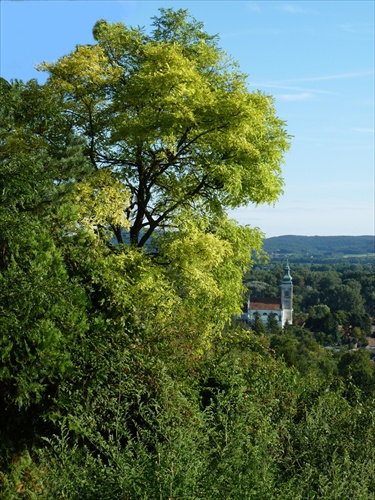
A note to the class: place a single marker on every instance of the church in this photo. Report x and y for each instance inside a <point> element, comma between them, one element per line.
<point>282,307</point>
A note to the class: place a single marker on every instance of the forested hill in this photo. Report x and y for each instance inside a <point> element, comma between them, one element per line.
<point>320,245</point>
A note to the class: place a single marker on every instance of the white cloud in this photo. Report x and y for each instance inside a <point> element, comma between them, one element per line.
<point>293,8</point>
<point>253,7</point>
<point>305,96</point>
<point>295,89</point>
<point>252,32</point>
<point>339,76</point>
<point>364,130</point>
<point>358,29</point>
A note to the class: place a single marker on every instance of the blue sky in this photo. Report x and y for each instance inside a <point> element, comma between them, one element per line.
<point>316,58</point>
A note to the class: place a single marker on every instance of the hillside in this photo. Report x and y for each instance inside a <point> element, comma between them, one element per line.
<point>327,247</point>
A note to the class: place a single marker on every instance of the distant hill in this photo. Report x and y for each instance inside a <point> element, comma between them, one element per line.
<point>320,246</point>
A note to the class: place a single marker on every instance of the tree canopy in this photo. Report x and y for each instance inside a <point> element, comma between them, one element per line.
<point>170,116</point>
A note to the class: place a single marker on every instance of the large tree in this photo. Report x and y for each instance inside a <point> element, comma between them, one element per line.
<point>170,116</point>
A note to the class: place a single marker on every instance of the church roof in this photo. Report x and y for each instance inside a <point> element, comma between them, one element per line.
<point>266,304</point>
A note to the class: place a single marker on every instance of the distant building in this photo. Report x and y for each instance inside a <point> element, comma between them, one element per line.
<point>282,307</point>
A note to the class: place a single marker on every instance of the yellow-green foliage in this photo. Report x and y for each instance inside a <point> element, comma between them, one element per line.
<point>132,288</point>
<point>84,70</point>
<point>172,116</point>
<point>101,200</point>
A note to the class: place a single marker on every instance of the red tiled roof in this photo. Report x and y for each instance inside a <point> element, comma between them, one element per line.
<point>266,304</point>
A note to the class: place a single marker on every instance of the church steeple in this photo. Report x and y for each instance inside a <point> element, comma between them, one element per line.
<point>287,297</point>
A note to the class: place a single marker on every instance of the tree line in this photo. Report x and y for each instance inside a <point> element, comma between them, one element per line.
<point>318,246</point>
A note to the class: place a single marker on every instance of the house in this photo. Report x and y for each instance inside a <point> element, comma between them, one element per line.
<point>282,307</point>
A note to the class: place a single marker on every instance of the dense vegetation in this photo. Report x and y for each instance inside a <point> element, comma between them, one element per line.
<point>334,307</point>
<point>121,375</point>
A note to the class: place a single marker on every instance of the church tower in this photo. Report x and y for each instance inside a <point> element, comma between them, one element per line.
<point>287,297</point>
